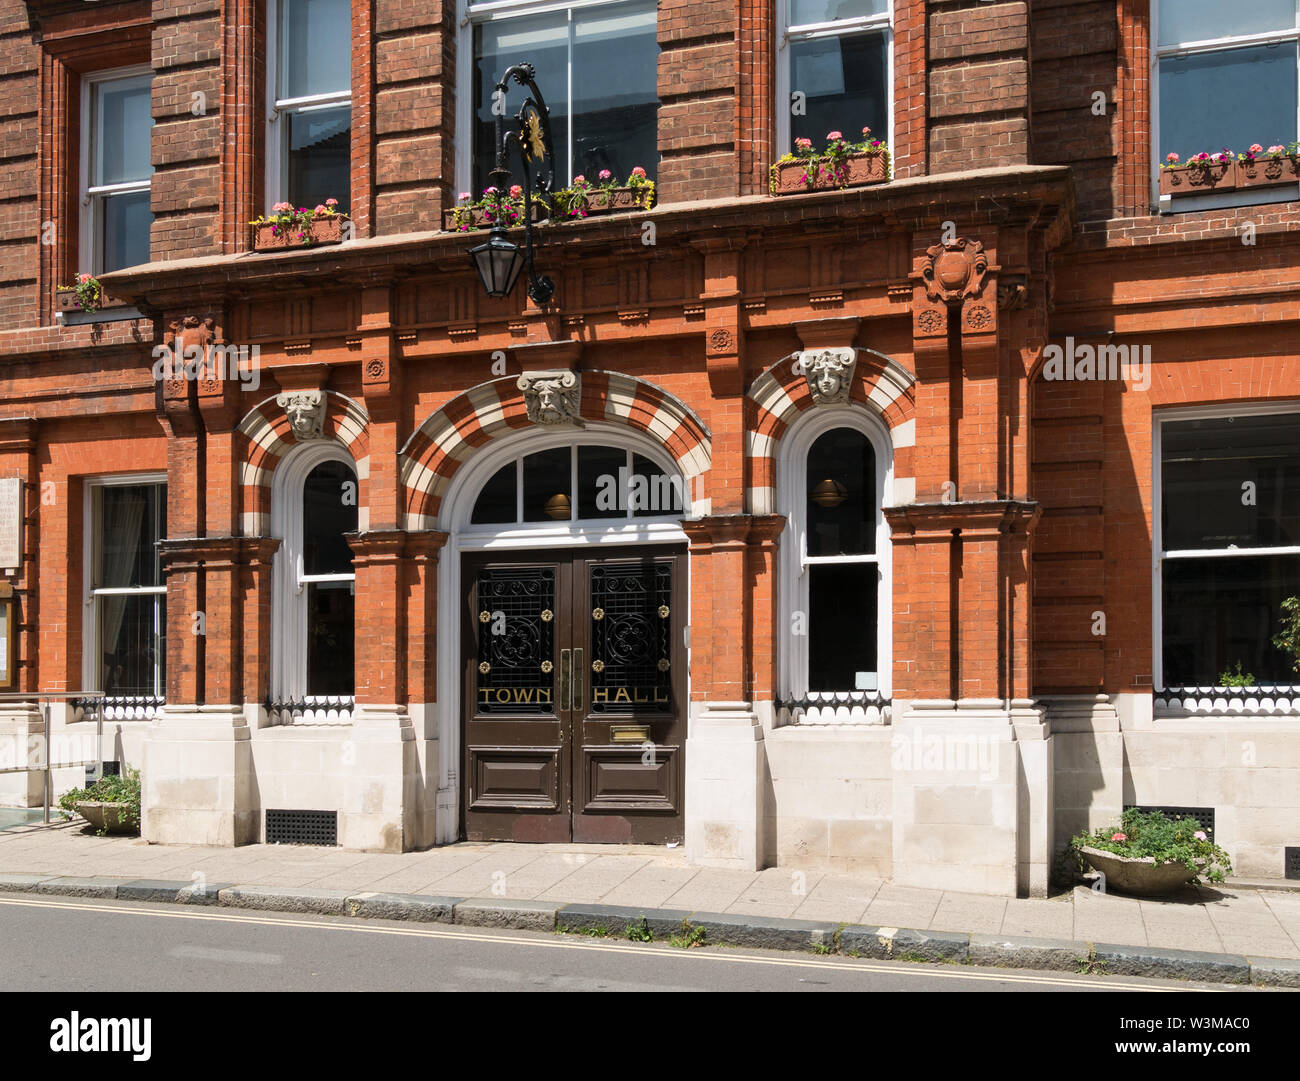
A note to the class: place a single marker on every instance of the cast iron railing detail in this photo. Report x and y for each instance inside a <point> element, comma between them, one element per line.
<point>1282,698</point>
<point>834,707</point>
<point>118,707</point>
<point>314,709</point>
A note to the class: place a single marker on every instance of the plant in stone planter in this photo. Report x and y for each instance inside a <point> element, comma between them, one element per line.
<point>301,227</point>
<point>111,804</point>
<point>85,294</point>
<point>1151,853</point>
<point>842,163</point>
<point>1203,172</point>
<point>491,208</point>
<point>1260,168</point>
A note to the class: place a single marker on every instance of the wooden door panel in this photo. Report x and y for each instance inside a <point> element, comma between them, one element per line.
<point>514,778</point>
<point>636,778</point>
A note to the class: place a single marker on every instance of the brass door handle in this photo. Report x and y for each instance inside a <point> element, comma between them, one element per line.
<point>579,678</point>
<point>566,675</point>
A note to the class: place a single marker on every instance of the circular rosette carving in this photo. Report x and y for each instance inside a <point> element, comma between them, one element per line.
<point>979,317</point>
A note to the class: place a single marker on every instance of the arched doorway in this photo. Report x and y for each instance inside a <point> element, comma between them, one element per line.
<point>567,583</point>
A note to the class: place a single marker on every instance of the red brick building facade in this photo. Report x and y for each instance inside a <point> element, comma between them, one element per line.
<point>1014,575</point>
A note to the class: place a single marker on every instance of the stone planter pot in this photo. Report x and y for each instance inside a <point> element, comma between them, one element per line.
<point>109,817</point>
<point>65,300</point>
<point>1141,877</point>
<point>327,230</point>
<point>1267,172</point>
<point>481,218</point>
<point>859,170</point>
<point>1198,178</point>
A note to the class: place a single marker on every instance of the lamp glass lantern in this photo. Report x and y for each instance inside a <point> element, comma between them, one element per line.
<point>498,262</point>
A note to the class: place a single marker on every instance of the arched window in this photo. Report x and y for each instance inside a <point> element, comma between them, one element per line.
<point>835,562</point>
<point>584,483</point>
<point>313,507</point>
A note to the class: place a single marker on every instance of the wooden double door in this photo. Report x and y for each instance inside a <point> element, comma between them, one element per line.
<point>574,696</point>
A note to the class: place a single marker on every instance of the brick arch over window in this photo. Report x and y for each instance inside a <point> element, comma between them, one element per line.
<point>780,394</point>
<point>265,439</point>
<point>447,439</point>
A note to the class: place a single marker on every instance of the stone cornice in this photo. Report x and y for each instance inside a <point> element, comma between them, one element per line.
<point>1041,197</point>
<point>978,519</point>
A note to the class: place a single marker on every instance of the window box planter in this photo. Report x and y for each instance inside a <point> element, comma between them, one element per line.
<point>462,219</point>
<point>613,200</point>
<point>820,174</point>
<point>327,229</point>
<point>1265,172</point>
<point>1198,178</point>
<point>66,301</point>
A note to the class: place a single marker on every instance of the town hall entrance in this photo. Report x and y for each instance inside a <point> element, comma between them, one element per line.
<point>574,695</point>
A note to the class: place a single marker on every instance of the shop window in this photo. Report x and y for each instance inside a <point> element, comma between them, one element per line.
<point>309,138</point>
<point>314,504</point>
<point>1229,548</point>
<point>586,483</point>
<point>597,68</point>
<point>116,122</point>
<point>1226,79</point>
<point>834,70</point>
<point>126,618</point>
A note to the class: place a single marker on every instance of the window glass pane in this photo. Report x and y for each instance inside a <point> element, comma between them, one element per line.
<point>653,491</point>
<point>806,12</point>
<point>845,81</point>
<point>497,502</point>
<point>615,90</point>
<point>132,518</point>
<point>329,509</point>
<point>1205,20</point>
<point>1221,611</point>
<point>132,632</point>
<point>1231,482</point>
<point>320,156</point>
<point>125,221</point>
<point>122,136</point>
<point>842,601</point>
<point>1231,98</point>
<point>315,47</point>
<point>542,40</point>
<point>547,479</point>
<point>841,500</point>
<point>603,482</point>
<point>331,611</point>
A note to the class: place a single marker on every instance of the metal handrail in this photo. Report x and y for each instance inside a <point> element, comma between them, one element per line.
<point>43,700</point>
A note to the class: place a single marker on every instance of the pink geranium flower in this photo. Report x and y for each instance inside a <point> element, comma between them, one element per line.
<point>281,207</point>
<point>320,209</point>
<point>605,174</point>
<point>866,131</point>
<point>516,190</point>
<point>1119,837</point>
<point>803,144</point>
<point>1172,159</point>
<point>1200,835</point>
<point>638,171</point>
<point>1255,148</point>
<point>331,201</point>
<point>831,136</point>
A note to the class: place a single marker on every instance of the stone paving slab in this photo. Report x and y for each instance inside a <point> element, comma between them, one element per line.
<point>1232,919</point>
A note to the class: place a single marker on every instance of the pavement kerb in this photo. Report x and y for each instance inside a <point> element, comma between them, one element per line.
<point>692,928</point>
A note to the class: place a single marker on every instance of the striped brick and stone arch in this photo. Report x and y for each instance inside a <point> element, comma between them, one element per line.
<point>265,438</point>
<point>781,394</point>
<point>452,435</point>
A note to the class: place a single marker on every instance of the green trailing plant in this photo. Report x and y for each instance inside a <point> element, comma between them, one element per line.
<point>1229,678</point>
<point>115,788</point>
<point>571,202</point>
<point>1143,834</point>
<point>1288,638</point>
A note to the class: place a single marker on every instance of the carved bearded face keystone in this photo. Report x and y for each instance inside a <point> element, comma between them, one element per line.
<point>552,397</point>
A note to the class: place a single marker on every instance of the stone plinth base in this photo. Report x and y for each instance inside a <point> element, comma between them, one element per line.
<point>726,785</point>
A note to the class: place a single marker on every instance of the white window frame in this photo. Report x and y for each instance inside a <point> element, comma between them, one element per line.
<point>91,254</point>
<point>277,154</point>
<point>90,564</point>
<point>495,12</point>
<point>1214,200</point>
<point>1158,553</point>
<point>289,588</point>
<point>811,31</point>
<point>794,561</point>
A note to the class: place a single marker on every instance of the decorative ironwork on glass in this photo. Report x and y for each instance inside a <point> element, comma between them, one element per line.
<point>516,653</point>
<point>631,638</point>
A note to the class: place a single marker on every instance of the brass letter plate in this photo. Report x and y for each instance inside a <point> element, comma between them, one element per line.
<point>629,733</point>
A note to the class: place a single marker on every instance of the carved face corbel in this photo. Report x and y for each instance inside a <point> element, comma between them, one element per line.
<point>955,271</point>
<point>306,412</point>
<point>829,373</point>
<point>552,397</point>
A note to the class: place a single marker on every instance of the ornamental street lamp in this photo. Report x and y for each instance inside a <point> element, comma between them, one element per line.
<point>499,261</point>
